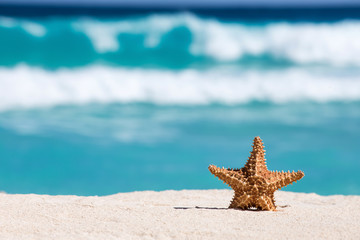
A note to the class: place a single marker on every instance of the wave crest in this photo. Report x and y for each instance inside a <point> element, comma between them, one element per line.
<point>302,43</point>
<point>25,86</point>
<point>159,36</point>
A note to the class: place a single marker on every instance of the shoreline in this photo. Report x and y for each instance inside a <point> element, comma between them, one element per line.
<point>194,214</point>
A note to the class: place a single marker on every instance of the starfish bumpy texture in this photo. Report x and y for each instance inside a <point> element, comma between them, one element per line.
<point>254,184</point>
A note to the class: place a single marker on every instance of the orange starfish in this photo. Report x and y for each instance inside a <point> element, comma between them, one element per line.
<point>254,184</point>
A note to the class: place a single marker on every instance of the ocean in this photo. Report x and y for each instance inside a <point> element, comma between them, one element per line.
<point>96,104</point>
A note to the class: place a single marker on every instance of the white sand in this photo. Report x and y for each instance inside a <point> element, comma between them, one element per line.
<point>187,214</point>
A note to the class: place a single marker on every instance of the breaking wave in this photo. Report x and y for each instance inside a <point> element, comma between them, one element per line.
<point>168,38</point>
<point>28,87</point>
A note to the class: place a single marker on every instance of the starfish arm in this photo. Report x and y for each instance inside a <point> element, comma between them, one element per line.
<point>282,179</point>
<point>266,203</point>
<point>256,162</point>
<point>232,178</point>
<point>240,200</point>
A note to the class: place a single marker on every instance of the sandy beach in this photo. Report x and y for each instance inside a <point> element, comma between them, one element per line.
<point>187,214</point>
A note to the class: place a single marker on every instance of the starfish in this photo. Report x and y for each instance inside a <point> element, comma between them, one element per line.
<point>254,184</point>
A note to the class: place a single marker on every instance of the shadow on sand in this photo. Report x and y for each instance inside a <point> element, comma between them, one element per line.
<point>215,208</point>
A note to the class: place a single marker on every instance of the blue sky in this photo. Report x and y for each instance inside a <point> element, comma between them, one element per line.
<point>190,2</point>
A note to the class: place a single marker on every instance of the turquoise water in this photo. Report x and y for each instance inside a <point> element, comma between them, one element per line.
<point>94,106</point>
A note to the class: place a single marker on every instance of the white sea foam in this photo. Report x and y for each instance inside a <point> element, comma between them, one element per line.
<point>104,34</point>
<point>31,27</point>
<point>330,43</point>
<point>28,87</point>
<point>302,43</point>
